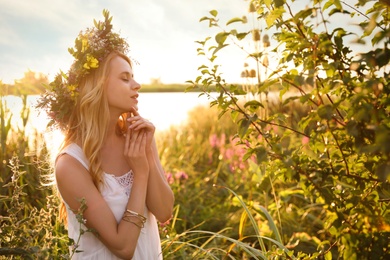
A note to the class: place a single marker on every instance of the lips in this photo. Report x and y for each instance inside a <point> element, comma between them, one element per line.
<point>135,97</point>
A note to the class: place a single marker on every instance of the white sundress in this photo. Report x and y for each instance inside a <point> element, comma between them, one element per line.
<point>115,192</point>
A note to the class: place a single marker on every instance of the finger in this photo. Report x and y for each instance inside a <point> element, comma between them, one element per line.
<point>143,142</point>
<point>134,142</point>
<point>141,124</point>
<point>137,143</point>
<point>135,112</point>
<point>136,119</point>
<point>133,119</point>
<point>149,128</point>
<point>127,141</point>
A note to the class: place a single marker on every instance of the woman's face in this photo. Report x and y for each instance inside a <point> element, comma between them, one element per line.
<point>121,88</point>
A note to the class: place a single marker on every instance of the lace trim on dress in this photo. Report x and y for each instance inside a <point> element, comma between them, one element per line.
<point>125,181</point>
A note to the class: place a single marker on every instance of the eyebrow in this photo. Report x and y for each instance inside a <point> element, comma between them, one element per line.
<point>127,74</point>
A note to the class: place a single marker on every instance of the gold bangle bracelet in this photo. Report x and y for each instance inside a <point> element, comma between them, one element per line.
<point>133,213</point>
<point>128,216</point>
<point>130,221</point>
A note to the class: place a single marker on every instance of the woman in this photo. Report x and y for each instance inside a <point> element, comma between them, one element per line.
<point>108,170</point>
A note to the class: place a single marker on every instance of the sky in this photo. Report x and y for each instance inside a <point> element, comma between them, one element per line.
<point>35,35</point>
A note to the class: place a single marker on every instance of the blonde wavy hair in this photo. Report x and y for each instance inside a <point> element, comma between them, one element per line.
<point>88,122</point>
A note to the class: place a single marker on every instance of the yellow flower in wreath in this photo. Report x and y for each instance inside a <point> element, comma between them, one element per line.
<point>72,91</point>
<point>92,62</point>
<point>84,45</point>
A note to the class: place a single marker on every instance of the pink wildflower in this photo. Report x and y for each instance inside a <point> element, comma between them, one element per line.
<point>213,139</point>
<point>169,177</point>
<point>165,223</point>
<point>222,140</point>
<point>181,176</point>
<point>229,153</point>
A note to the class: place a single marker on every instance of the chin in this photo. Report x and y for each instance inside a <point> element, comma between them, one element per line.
<point>131,108</point>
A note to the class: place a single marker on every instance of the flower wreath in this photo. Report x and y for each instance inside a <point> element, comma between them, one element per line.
<point>91,47</point>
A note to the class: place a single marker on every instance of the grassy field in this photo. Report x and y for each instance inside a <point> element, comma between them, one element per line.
<point>7,89</point>
<point>165,88</point>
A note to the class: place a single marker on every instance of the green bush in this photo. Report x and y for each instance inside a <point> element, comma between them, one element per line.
<point>205,164</point>
<point>324,174</point>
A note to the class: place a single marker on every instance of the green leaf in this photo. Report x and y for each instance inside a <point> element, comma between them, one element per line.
<point>219,48</point>
<point>221,37</point>
<point>253,103</point>
<point>328,255</point>
<point>383,172</point>
<point>371,25</point>
<point>299,80</point>
<point>325,111</point>
<point>241,36</point>
<point>337,4</point>
<point>234,115</point>
<point>303,14</point>
<point>202,67</point>
<point>279,3</point>
<point>305,98</point>
<point>382,136</point>
<point>243,126</point>
<point>214,13</point>
<point>248,154</point>
<point>261,154</point>
<point>236,20</point>
<point>273,16</point>
<point>328,4</point>
<point>204,18</point>
<point>271,223</point>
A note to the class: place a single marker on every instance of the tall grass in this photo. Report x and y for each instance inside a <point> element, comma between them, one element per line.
<point>29,148</point>
<point>226,207</point>
<point>27,231</point>
<point>28,223</point>
<point>222,198</point>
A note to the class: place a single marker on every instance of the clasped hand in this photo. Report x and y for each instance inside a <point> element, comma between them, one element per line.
<point>138,143</point>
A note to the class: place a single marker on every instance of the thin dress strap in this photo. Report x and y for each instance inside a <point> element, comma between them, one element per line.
<point>76,152</point>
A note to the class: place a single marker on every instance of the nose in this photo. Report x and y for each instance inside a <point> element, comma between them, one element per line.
<point>135,85</point>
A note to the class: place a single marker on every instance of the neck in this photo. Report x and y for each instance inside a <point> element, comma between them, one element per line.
<point>111,131</point>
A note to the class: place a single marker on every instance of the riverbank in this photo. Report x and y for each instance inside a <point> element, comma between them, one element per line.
<point>19,90</point>
<point>148,88</point>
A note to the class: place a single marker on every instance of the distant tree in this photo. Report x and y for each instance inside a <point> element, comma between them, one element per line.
<point>155,81</point>
<point>31,84</point>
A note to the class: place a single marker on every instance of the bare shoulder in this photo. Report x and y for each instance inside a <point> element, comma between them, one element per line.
<point>66,166</point>
<point>73,180</point>
<point>74,184</point>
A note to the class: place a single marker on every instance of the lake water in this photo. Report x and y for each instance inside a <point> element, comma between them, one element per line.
<point>163,109</point>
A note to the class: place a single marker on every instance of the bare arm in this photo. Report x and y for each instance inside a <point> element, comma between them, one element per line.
<point>74,182</point>
<point>160,198</point>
